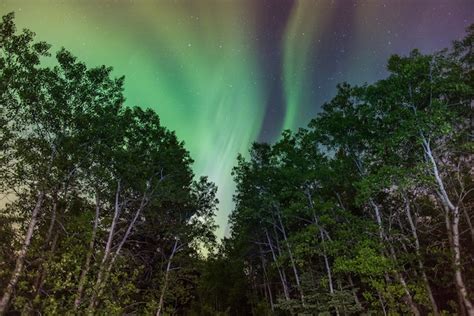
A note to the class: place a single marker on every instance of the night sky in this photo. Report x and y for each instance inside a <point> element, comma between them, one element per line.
<point>223,74</point>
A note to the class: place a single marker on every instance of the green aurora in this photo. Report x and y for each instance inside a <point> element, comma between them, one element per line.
<point>200,65</point>
<point>194,66</point>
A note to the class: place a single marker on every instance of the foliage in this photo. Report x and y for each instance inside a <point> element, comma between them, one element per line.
<point>368,210</point>
<point>352,215</point>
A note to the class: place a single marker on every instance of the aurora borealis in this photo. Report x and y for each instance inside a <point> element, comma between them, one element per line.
<point>223,74</point>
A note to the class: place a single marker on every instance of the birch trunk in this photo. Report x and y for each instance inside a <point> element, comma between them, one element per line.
<point>143,203</point>
<point>20,261</point>
<point>282,277</point>
<point>378,218</point>
<point>469,223</point>
<point>401,280</point>
<point>354,293</point>
<point>378,215</point>
<point>457,265</point>
<point>414,232</point>
<point>41,270</point>
<point>266,284</point>
<point>382,236</point>
<point>85,270</point>
<point>326,259</point>
<point>328,268</point>
<point>292,260</point>
<point>454,229</point>
<point>42,275</point>
<point>107,266</point>
<point>165,282</point>
<point>323,242</point>
<point>117,209</point>
<point>108,246</point>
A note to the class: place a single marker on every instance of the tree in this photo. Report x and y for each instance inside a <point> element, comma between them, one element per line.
<point>346,211</point>
<point>81,167</point>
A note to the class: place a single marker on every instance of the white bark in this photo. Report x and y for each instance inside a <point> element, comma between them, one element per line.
<point>41,269</point>
<point>266,281</point>
<point>454,229</point>
<point>323,243</point>
<point>383,240</point>
<point>165,282</point>
<point>102,267</point>
<point>378,218</point>
<point>469,223</point>
<point>143,203</point>
<point>292,260</point>
<point>117,208</point>
<point>85,270</point>
<point>414,232</point>
<point>21,255</point>
<point>106,267</point>
<point>282,278</point>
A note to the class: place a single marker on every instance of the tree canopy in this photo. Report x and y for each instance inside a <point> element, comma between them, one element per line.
<point>367,210</point>
<point>104,208</point>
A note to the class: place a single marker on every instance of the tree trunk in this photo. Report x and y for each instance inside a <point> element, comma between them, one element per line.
<point>41,270</point>
<point>457,265</point>
<point>165,282</point>
<point>325,257</point>
<point>282,277</point>
<point>409,298</point>
<point>462,309</point>
<point>401,280</point>
<point>323,243</point>
<point>266,281</point>
<point>414,232</point>
<point>107,266</point>
<point>469,223</point>
<point>328,267</point>
<point>85,270</point>
<point>354,293</point>
<point>108,246</point>
<point>21,255</point>
<point>383,240</point>
<point>143,203</point>
<point>378,215</point>
<point>378,218</point>
<point>270,295</point>
<point>117,209</point>
<point>44,271</point>
<point>292,260</point>
<point>450,207</point>
<point>382,303</point>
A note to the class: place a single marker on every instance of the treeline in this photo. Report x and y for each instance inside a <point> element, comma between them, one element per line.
<point>369,210</point>
<point>99,210</point>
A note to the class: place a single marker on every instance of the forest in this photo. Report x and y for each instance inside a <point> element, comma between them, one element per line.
<point>369,210</point>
